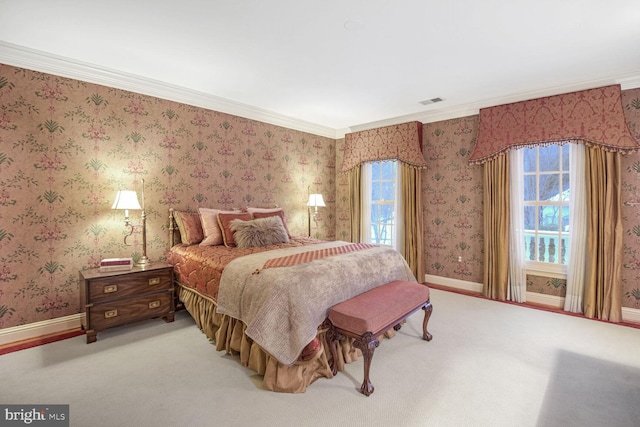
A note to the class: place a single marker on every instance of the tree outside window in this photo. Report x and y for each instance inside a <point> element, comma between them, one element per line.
<point>546,204</point>
<point>383,185</point>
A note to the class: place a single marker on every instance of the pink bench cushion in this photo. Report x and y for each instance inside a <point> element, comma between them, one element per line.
<point>375,309</point>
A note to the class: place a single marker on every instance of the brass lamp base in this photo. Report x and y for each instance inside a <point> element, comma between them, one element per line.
<point>143,262</point>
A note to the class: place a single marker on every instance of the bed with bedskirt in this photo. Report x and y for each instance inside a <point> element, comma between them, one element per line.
<point>262,294</point>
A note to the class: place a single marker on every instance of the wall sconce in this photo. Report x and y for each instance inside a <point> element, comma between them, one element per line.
<point>128,199</point>
<point>315,200</point>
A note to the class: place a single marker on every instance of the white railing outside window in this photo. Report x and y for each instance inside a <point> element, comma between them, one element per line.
<point>380,182</point>
<point>546,204</point>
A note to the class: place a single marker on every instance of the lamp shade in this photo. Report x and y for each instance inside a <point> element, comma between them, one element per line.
<point>316,200</point>
<point>126,199</point>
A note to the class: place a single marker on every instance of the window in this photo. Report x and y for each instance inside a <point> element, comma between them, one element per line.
<point>546,204</point>
<point>379,214</point>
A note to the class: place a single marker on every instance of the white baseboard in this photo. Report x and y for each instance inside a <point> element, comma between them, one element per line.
<point>628,314</point>
<point>38,329</point>
<point>546,300</point>
<point>631,315</point>
<point>454,283</point>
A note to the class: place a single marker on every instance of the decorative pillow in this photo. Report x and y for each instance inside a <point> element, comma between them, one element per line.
<point>259,232</point>
<point>224,220</point>
<point>210,226</point>
<point>263,213</point>
<point>189,226</point>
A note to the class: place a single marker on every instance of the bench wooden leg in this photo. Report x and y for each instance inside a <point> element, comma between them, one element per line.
<point>428,308</point>
<point>367,344</point>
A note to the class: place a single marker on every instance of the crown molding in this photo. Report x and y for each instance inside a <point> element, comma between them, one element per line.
<point>23,57</point>
<point>626,81</point>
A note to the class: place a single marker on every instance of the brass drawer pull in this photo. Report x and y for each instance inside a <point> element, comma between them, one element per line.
<point>110,314</point>
<point>110,288</point>
<point>154,304</point>
<point>154,281</point>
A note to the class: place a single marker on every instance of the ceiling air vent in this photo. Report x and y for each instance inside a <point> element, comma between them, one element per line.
<point>431,101</point>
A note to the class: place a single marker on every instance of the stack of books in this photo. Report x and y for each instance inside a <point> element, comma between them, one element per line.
<point>116,264</point>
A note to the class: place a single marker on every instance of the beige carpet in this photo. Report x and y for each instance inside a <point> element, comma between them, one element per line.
<point>489,364</point>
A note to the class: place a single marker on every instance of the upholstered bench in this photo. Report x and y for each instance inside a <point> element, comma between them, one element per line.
<point>367,316</point>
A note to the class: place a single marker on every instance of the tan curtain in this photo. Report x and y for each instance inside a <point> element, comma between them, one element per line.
<point>412,247</point>
<point>496,227</point>
<point>355,176</point>
<point>603,276</point>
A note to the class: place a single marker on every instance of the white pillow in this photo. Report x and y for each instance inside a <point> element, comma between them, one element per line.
<point>210,227</point>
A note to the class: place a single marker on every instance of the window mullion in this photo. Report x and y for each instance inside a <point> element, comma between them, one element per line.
<point>545,230</point>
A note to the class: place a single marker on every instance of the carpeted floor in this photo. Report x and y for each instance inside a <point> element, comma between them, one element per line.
<point>489,364</point>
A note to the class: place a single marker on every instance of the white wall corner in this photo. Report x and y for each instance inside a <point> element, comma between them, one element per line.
<point>39,329</point>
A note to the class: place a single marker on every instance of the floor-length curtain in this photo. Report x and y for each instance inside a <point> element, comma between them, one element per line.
<point>603,278</point>
<point>578,219</point>
<point>410,213</point>
<point>365,202</point>
<point>517,290</point>
<point>496,227</point>
<point>355,190</point>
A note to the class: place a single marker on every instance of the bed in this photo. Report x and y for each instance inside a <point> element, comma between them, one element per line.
<point>266,298</point>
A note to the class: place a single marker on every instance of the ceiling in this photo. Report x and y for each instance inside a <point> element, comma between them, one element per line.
<point>330,66</point>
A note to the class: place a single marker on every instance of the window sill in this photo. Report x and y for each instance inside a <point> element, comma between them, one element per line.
<point>546,270</point>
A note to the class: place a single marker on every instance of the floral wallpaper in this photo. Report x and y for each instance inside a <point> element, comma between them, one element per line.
<point>631,207</point>
<point>452,196</point>
<point>343,197</point>
<point>453,212</point>
<point>547,285</point>
<point>67,147</point>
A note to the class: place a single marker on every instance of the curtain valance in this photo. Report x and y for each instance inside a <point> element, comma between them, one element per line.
<point>401,142</point>
<point>592,117</point>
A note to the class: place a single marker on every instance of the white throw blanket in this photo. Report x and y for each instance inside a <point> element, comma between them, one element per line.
<point>283,306</point>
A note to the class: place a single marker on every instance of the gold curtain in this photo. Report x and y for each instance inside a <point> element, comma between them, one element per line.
<point>603,276</point>
<point>355,204</point>
<point>412,247</point>
<point>496,227</point>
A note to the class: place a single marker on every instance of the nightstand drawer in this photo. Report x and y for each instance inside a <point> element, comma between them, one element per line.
<point>103,316</point>
<point>118,297</point>
<point>108,288</point>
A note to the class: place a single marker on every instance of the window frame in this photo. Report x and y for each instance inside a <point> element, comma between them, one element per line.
<point>368,185</point>
<point>536,267</point>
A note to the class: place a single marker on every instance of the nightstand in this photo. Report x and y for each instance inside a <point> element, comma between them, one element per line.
<point>120,297</point>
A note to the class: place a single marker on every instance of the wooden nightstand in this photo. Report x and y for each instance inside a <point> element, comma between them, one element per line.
<point>120,297</point>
